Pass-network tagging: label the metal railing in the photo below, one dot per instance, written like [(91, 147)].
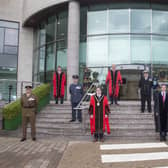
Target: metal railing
[(84, 105)]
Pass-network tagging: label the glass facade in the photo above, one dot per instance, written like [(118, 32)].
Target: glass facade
[(126, 36), (9, 41), (123, 33), (51, 47)]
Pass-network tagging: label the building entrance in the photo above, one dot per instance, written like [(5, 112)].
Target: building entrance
[(131, 75)]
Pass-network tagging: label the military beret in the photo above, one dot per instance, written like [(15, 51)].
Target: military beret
[(75, 77)]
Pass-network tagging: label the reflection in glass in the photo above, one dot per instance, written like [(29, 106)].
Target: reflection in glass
[(11, 37), (41, 59), (50, 29), (42, 34), (160, 22), (97, 22), (141, 21), (1, 39), (119, 50), (62, 58), (82, 53), (50, 58), (97, 54), (62, 25), (118, 21), (160, 49), (140, 49), (11, 50)]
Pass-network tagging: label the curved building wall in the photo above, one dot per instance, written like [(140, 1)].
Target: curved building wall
[(11, 11), (32, 7)]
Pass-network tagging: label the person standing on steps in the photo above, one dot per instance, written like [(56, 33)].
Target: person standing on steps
[(163, 113), (59, 82), (76, 92), (99, 111), (114, 80), (145, 85), (29, 103)]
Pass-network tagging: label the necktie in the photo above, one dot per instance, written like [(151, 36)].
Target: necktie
[(163, 97)]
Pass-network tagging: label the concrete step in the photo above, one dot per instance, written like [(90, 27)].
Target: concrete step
[(112, 122), (126, 122), (136, 134)]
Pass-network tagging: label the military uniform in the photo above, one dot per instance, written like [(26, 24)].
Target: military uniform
[(76, 91), (29, 110), (145, 85)]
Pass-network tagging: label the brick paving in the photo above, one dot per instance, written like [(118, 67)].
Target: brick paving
[(30, 154)]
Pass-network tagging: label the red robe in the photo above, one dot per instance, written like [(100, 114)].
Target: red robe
[(59, 82), (113, 80), (92, 110)]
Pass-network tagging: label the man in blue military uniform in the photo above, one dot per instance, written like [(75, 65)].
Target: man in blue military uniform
[(76, 91)]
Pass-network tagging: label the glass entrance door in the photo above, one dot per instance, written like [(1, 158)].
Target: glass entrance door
[(130, 74)]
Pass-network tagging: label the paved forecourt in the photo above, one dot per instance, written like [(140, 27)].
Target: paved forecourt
[(123, 155), (30, 154)]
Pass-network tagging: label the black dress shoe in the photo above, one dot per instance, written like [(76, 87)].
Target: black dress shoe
[(142, 111), (33, 139), (23, 139), (72, 120), (95, 139), (102, 140), (164, 138), (161, 138)]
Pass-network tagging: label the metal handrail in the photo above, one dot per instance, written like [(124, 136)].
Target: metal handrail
[(79, 106)]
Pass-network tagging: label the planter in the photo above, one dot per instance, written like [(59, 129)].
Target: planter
[(43, 102), (11, 124)]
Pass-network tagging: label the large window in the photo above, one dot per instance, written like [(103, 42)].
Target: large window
[(126, 36), (9, 33), (9, 39), (160, 49), (140, 21), (160, 22), (119, 49), (97, 22), (140, 49), (118, 21), (51, 46)]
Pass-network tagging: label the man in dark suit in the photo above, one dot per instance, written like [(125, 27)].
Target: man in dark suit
[(163, 112)]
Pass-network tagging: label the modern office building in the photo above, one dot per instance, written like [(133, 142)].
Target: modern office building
[(85, 37)]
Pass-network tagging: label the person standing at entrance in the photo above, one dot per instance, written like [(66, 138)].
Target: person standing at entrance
[(163, 113), (114, 80), (59, 82), (99, 111), (145, 85), (29, 105), (76, 92)]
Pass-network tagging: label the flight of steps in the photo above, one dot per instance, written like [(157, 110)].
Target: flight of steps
[(126, 122)]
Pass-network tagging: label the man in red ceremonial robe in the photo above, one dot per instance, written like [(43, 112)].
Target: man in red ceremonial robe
[(114, 80), (59, 82), (99, 111)]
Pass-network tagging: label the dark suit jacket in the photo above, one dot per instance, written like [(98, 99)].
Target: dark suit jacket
[(163, 109)]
